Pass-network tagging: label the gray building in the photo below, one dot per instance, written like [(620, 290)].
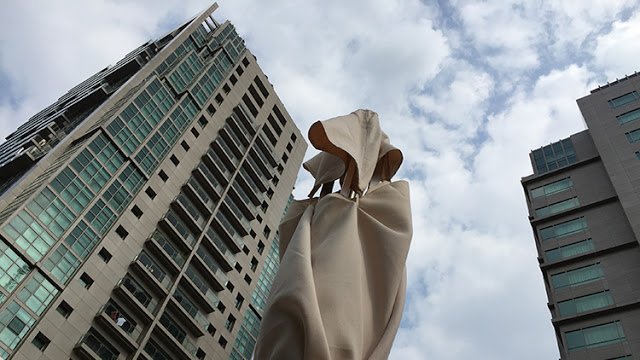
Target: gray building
[(139, 212), (584, 208)]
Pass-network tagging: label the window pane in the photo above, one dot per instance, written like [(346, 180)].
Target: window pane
[(624, 99), (629, 116), (557, 207), (577, 276), (585, 303)]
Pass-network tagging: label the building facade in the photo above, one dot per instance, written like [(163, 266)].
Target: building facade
[(585, 214), (139, 212)]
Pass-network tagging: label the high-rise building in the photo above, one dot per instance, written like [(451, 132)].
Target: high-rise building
[(584, 207), (139, 212)]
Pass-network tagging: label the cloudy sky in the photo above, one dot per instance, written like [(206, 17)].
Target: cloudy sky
[(465, 88)]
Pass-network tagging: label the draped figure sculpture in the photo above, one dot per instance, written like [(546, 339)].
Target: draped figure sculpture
[(340, 288)]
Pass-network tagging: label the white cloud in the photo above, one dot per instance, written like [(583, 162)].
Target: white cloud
[(473, 247), (459, 100), (618, 51), (507, 31), (574, 22)]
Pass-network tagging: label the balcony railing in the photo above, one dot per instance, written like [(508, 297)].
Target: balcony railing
[(154, 269), (179, 228), (243, 202), (237, 218), (252, 177), (228, 230), (243, 120), (190, 308), (234, 123), (122, 320), (258, 163), (169, 248), (233, 140), (202, 286), (216, 240), (247, 190), (178, 334), (212, 265), (155, 352), (202, 195), (225, 141), (237, 132), (197, 217), (139, 293), (222, 163), (99, 346), (211, 180)]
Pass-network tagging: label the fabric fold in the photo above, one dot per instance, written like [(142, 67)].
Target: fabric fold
[(340, 288)]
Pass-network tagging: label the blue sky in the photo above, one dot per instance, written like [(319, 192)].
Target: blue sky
[(466, 89)]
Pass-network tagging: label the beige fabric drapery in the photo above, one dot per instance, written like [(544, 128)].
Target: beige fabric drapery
[(340, 289)]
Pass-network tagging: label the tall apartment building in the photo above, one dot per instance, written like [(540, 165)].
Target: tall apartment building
[(584, 207), (139, 212)]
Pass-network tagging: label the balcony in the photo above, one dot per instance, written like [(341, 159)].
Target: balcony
[(225, 143), (175, 226), (200, 289), (245, 191), (214, 240), (209, 181), (198, 192), (237, 218), (242, 201), (258, 161), (152, 271), (237, 132), (176, 337), (227, 231), (244, 121), (220, 163), (160, 244), (93, 345), (137, 296), (153, 351), (212, 267), (265, 151), (250, 174), (189, 313), (120, 325), (233, 141), (189, 211)]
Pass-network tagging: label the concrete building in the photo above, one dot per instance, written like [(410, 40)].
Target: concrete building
[(584, 208), (139, 212)]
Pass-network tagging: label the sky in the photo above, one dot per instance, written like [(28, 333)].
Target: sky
[(466, 89)]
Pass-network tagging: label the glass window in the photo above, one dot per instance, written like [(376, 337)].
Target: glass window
[(577, 277), (82, 239), (624, 99), (62, 264), (629, 116), (557, 207), (552, 188), (567, 251), (100, 216), (15, 322), (29, 235), (585, 303), (633, 136), (564, 229), (38, 293), (594, 336), (554, 156), (12, 268)]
